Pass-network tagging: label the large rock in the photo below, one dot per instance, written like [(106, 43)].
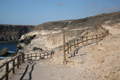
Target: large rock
[(3, 51), (27, 39)]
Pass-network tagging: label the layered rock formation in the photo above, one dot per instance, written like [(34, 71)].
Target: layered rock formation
[(12, 33), (48, 36)]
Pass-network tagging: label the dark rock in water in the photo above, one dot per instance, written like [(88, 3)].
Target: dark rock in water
[(3, 51), (36, 48)]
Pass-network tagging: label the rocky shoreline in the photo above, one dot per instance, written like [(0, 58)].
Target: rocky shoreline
[(11, 33)]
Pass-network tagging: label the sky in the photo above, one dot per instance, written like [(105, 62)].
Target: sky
[(35, 12)]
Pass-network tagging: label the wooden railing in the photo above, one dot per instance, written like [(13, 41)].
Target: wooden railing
[(16, 61), (20, 59), (37, 56), (83, 40)]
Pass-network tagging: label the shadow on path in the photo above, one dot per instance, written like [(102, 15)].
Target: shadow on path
[(30, 74), (29, 71), (77, 49), (24, 72)]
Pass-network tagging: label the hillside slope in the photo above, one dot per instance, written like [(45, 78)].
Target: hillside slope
[(93, 62), (14, 32), (85, 22)]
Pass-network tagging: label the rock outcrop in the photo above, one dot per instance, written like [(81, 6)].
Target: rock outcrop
[(12, 33), (49, 35), (3, 51)]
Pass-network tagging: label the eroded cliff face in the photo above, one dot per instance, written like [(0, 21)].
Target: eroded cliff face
[(11, 33), (48, 40)]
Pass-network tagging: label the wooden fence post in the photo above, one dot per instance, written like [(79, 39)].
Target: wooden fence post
[(13, 66), (27, 56), (64, 46), (77, 43), (74, 44), (102, 35), (86, 39), (40, 56), (23, 58), (35, 56), (70, 45), (82, 40), (7, 69), (18, 61), (92, 38), (96, 37), (108, 32), (67, 48), (31, 57)]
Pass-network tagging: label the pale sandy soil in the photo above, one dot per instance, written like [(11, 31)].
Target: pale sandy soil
[(94, 62), (99, 61)]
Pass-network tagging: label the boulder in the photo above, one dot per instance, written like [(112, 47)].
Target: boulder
[(36, 48), (27, 39), (3, 51), (19, 47)]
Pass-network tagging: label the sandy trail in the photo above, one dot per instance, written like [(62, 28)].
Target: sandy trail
[(93, 62)]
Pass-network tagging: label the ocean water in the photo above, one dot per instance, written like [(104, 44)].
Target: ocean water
[(11, 46)]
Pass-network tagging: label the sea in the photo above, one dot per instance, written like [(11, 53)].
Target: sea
[(11, 48)]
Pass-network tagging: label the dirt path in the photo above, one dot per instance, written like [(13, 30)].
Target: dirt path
[(93, 62), (24, 72)]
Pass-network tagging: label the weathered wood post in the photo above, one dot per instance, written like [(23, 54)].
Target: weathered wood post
[(102, 35), (7, 70), (18, 62), (27, 56), (35, 56), (108, 32), (77, 43), (23, 57), (70, 45), (64, 46), (92, 38), (96, 37), (99, 37), (20, 59), (67, 48), (82, 40), (86, 39), (13, 66), (31, 57), (40, 56), (74, 44)]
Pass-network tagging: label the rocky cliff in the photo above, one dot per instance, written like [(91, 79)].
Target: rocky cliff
[(49, 36), (12, 33)]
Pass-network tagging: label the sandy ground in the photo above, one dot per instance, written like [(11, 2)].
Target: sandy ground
[(93, 62)]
